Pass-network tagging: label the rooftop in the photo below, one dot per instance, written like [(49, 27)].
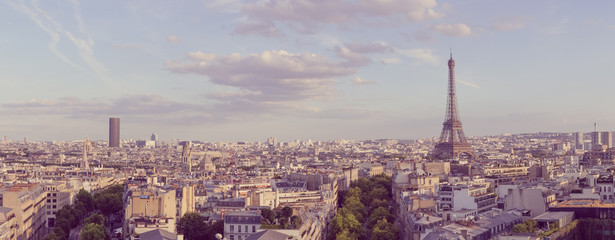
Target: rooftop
[(584, 203)]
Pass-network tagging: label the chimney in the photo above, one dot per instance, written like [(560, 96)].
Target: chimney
[(464, 233)]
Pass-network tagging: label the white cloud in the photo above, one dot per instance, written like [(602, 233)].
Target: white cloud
[(455, 30), (201, 56), (357, 81), (173, 38), (391, 60), (271, 76), (370, 47), (423, 55), (467, 83), (307, 15)]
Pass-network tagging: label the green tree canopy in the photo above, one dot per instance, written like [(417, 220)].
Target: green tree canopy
[(384, 230), (95, 218), (268, 215), (379, 214), (93, 231), (356, 207), (86, 198), (192, 226), (296, 222), (109, 203), (345, 220), (287, 212)]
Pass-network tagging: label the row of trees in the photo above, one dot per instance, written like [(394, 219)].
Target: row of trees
[(108, 201), (194, 227), (366, 205), (280, 219)]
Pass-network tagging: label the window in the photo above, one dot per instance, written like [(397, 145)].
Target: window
[(54, 194), (246, 228), (239, 228), (253, 229), (232, 237), (48, 200), (232, 229), (54, 206), (54, 200)]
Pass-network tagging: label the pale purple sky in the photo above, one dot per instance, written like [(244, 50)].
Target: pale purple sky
[(230, 70)]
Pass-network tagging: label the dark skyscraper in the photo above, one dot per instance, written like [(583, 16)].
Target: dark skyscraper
[(114, 132), (452, 140)]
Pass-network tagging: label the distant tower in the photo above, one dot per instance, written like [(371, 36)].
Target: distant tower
[(579, 141), (452, 140), (114, 132), (87, 147), (596, 138), (186, 157), (154, 137)]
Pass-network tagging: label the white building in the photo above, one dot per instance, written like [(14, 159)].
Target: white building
[(467, 197)]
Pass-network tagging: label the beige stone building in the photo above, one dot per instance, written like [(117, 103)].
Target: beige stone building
[(8, 225), (28, 203), (58, 195), (149, 208)]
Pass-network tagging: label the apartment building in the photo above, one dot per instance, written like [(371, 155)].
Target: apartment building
[(479, 197), (28, 203), (241, 224), (57, 197)]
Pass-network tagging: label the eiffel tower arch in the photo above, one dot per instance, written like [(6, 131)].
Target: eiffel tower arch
[(453, 142)]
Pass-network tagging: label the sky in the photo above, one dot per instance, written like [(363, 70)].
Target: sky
[(233, 70)]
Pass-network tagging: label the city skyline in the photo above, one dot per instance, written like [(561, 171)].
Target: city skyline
[(245, 71)]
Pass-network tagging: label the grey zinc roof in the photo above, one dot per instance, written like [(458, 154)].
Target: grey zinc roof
[(158, 234), (5, 210), (268, 235), (242, 217)]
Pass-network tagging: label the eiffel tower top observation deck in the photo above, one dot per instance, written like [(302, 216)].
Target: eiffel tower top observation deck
[(453, 142)]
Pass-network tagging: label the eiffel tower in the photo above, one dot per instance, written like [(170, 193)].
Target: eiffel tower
[(453, 142)]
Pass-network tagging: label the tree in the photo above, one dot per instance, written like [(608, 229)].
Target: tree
[(86, 198), (63, 224), (93, 231), (79, 211), (95, 218), (376, 203), (216, 227), (192, 226), (364, 184), (345, 235), (521, 227), (287, 212), (353, 192), (268, 215), (384, 230), (355, 207), (532, 225), (378, 214), (344, 220), (376, 193), (109, 203), (55, 234), (296, 221)]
